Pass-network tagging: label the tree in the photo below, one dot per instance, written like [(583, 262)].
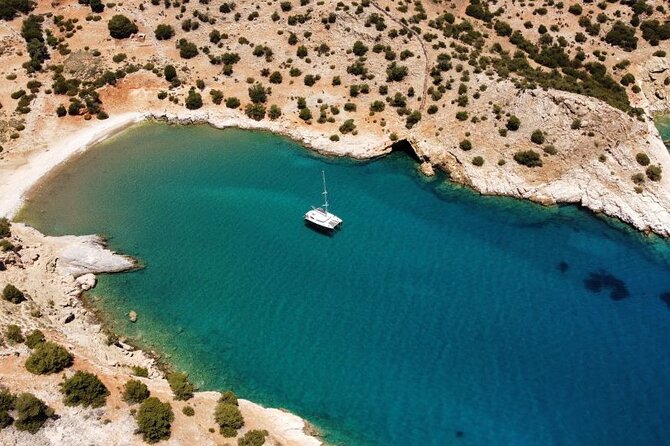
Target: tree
[(274, 112), (84, 389), (465, 145), (97, 6), (154, 420), (513, 123), (11, 8), (187, 50), (305, 114), (622, 35), (359, 48), (14, 335), (395, 72), (31, 413), (193, 100), (575, 9), (654, 173), (180, 385), (642, 159), (229, 418), (347, 126), (257, 93), (34, 338), (135, 391), (228, 397), (164, 32), (48, 357), (528, 158), (12, 294), (413, 118), (170, 73), (121, 27), (537, 137), (255, 111), (232, 102), (253, 438), (276, 77)]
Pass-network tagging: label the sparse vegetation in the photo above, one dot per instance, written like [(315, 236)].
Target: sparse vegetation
[(84, 389), (528, 158)]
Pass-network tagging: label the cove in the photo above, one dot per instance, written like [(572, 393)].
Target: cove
[(434, 317)]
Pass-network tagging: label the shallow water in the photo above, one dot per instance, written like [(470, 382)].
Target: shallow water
[(433, 311)]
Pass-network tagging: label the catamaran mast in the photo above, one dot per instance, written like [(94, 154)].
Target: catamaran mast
[(325, 192)]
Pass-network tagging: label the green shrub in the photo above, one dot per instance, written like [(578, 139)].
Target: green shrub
[(642, 159), (413, 118), (622, 35), (84, 389), (11, 8), (181, 387), (140, 371), (31, 413), (34, 338), (121, 27), (550, 149), (478, 161), (7, 400), (257, 93), (188, 411), (135, 392), (462, 115), (229, 418), (576, 124), (232, 102), (48, 357), (654, 173), (305, 114), (255, 111), (170, 73), (193, 100), (253, 438), (347, 126), (529, 158), (164, 32), (4, 228), (12, 294), (637, 178), (275, 78), (359, 48), (274, 112), (513, 123), (395, 72), (154, 420), (537, 137), (228, 397), (465, 145), (575, 9), (187, 50), (13, 334)]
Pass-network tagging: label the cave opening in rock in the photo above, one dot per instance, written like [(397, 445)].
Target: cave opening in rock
[(405, 146)]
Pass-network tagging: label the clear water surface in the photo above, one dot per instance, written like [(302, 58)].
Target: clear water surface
[(434, 317)]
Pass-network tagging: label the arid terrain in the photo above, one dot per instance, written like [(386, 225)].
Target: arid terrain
[(547, 101)]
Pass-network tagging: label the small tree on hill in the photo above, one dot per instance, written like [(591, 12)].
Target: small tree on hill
[(48, 357), (135, 391), (31, 413), (121, 27), (13, 294), (84, 389), (154, 420), (164, 32), (181, 387)]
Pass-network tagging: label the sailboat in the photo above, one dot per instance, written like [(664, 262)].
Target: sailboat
[(320, 217)]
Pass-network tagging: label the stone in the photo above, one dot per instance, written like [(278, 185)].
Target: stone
[(69, 318), (132, 315), (86, 281)]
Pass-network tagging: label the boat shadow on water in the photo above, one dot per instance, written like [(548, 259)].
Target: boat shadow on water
[(321, 230)]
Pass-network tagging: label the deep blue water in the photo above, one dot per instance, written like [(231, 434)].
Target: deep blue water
[(432, 311)]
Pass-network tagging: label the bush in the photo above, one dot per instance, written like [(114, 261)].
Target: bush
[(188, 411), (217, 96), (359, 48), (170, 72), (377, 106), (528, 158), (465, 145), (31, 413), (193, 100), (121, 27), (305, 114), (513, 123), (181, 387), (654, 173), (274, 112), (12, 294), (7, 400), (576, 124), (622, 35), (47, 358), (347, 126), (478, 161), (642, 159), (140, 371), (13, 334), (575, 9), (462, 115), (537, 137), (187, 50), (257, 93), (229, 418), (255, 111), (11, 8), (550, 149), (164, 32), (84, 389), (154, 420), (4, 228), (232, 102), (35, 338), (253, 438), (276, 78), (135, 392), (395, 73), (228, 397)]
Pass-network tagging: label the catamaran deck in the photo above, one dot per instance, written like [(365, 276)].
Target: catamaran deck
[(323, 218)]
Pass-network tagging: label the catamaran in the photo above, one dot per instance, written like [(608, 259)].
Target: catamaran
[(320, 217)]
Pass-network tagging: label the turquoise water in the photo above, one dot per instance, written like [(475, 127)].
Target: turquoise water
[(432, 312), (663, 124)]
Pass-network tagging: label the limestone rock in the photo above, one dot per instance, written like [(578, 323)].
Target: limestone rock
[(86, 282), (132, 316)]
